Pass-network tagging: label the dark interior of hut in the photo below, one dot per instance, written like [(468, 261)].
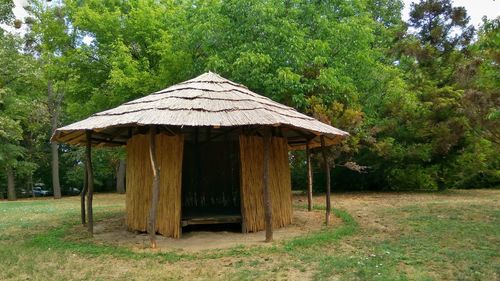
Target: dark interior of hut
[(210, 181)]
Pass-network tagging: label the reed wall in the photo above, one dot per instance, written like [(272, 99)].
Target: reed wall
[(252, 202), (169, 152)]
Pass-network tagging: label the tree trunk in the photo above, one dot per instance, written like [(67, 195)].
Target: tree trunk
[(11, 188), (120, 177), (309, 179), (55, 170), (155, 192), (83, 194), (90, 185), (54, 147), (268, 214), (30, 184), (327, 171)]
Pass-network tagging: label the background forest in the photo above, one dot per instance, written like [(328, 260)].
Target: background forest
[(421, 99)]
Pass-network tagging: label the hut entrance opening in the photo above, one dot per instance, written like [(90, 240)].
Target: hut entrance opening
[(210, 182)]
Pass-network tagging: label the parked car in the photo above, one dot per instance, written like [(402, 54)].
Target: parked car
[(71, 191), (24, 192), (39, 190)]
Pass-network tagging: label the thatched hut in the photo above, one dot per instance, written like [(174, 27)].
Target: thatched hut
[(207, 150)]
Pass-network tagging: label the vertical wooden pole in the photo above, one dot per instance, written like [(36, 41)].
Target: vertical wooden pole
[(268, 214), (242, 197), (90, 184), (120, 176), (83, 194), (155, 191), (309, 178), (327, 171)]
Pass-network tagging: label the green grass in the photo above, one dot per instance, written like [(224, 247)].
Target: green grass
[(432, 238), (325, 236), (435, 241)]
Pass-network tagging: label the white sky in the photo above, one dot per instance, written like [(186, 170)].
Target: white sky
[(20, 13), (18, 10)]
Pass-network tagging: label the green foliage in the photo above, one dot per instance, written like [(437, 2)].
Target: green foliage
[(6, 14), (419, 98), (413, 177), (477, 165), (435, 21), (21, 114)]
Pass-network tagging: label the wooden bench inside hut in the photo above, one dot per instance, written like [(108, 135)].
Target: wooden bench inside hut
[(210, 179)]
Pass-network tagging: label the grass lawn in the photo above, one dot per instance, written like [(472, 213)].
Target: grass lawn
[(454, 235)]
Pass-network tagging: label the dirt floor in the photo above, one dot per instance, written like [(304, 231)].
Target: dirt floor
[(113, 231)]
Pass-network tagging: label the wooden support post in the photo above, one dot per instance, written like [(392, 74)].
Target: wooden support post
[(120, 176), (309, 178), (83, 194), (90, 184), (155, 191), (268, 214), (327, 171)]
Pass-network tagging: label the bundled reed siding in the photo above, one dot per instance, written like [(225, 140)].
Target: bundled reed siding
[(252, 202), (169, 153)]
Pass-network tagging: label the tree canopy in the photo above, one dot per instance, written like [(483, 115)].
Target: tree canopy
[(419, 98)]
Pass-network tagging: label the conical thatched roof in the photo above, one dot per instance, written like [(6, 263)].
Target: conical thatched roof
[(208, 100)]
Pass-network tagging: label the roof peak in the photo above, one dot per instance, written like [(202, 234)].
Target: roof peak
[(212, 77), (208, 74)]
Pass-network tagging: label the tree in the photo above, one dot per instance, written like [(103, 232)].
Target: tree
[(17, 98), (435, 21), (50, 40), (479, 76), (430, 139), (6, 14), (442, 32), (420, 99)]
